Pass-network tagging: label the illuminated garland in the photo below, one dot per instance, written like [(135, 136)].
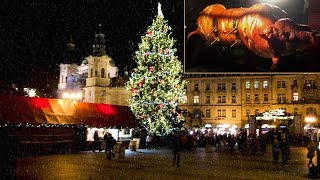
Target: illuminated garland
[(156, 83)]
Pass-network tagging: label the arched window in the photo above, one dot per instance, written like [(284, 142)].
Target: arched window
[(102, 73), (91, 73)]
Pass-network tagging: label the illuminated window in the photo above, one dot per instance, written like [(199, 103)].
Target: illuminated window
[(256, 84), (234, 99), (208, 113), (234, 113), (185, 99), (196, 99), (208, 100), (247, 84), (295, 97), (265, 84)]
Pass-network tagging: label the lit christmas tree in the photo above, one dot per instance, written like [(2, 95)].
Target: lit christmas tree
[(156, 84)]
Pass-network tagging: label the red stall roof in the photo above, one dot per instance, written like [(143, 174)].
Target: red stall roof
[(21, 109)]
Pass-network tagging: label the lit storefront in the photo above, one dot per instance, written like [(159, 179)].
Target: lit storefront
[(60, 123), (269, 120)]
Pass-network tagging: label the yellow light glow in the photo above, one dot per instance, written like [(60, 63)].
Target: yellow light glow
[(79, 96), (65, 95), (75, 96), (310, 119)]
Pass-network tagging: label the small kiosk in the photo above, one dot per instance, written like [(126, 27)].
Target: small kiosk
[(273, 119)]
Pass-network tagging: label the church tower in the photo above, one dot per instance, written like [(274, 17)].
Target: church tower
[(68, 67), (98, 71)]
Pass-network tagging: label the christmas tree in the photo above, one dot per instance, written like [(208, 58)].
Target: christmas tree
[(156, 83)]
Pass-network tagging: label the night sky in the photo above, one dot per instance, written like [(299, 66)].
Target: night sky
[(34, 34)]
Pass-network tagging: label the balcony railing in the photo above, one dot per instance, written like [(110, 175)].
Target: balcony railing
[(234, 90), (221, 90)]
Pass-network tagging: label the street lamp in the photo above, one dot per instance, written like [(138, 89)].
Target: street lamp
[(310, 119)]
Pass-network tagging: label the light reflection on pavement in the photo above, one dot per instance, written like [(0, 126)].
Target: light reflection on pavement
[(157, 164)]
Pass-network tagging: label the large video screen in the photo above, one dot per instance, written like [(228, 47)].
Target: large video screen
[(250, 36)]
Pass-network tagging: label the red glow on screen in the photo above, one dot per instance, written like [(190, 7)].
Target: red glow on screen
[(39, 103), (106, 109)]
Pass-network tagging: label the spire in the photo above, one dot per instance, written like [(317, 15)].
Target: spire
[(70, 52), (99, 43), (159, 10), (100, 31)]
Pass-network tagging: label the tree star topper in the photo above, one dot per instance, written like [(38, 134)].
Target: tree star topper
[(159, 10)]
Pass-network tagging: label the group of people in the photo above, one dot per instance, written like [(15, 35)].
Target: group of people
[(280, 144), (109, 144)]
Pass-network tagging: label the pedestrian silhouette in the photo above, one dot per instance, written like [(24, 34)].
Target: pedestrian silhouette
[(110, 142), (176, 145)]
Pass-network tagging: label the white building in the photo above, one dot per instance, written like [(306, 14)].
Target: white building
[(96, 79)]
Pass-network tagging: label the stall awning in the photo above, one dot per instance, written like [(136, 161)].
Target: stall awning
[(20, 109)]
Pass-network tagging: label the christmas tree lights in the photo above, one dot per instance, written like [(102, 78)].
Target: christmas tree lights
[(156, 83)]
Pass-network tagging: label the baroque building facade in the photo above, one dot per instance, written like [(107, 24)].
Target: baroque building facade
[(230, 99), (96, 80)]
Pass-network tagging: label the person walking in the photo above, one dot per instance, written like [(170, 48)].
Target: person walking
[(284, 147), (176, 145), (96, 143), (110, 142), (312, 147), (275, 147), (148, 141)]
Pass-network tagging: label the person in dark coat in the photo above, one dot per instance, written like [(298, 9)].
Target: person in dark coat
[(275, 147), (176, 145), (96, 143), (110, 142)]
